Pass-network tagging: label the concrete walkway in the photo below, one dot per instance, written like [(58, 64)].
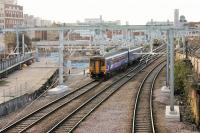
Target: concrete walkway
[(27, 80)]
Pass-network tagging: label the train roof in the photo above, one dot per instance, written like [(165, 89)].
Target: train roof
[(109, 54), (115, 52)]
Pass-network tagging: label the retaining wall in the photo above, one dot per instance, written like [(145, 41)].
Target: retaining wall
[(19, 102), (194, 94)]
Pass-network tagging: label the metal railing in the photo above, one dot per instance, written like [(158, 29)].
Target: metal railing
[(14, 61)]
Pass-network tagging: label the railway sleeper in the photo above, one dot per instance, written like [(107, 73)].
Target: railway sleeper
[(142, 126)]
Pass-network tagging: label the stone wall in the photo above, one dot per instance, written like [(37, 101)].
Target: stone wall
[(194, 101), (194, 94)]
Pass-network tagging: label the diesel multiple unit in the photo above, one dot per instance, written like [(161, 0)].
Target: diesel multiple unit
[(105, 66)]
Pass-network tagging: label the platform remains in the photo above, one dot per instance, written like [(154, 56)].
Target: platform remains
[(27, 80)]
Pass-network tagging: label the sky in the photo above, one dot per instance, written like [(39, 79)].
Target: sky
[(133, 11)]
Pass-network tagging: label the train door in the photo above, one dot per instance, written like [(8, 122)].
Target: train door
[(97, 66)]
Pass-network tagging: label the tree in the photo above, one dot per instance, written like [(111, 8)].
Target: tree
[(27, 41), (10, 40), (182, 70)]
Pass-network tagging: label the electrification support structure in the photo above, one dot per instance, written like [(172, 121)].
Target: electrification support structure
[(61, 87), (37, 54), (168, 56), (23, 44), (172, 112), (17, 36), (183, 41), (171, 42), (61, 48)]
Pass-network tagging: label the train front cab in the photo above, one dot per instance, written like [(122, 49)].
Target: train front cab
[(97, 68)]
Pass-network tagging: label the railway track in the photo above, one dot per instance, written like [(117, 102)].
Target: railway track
[(42, 113), (30, 119), (75, 118), (143, 112), (71, 121)]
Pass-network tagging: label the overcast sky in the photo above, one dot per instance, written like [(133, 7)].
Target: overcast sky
[(133, 11)]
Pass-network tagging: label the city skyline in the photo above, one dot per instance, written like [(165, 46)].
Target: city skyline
[(71, 11)]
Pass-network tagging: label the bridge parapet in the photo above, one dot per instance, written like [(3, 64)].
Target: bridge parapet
[(7, 64)]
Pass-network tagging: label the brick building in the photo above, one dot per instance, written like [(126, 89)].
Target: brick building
[(11, 14)]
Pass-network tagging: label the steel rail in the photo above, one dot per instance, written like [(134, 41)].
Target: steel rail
[(45, 107), (137, 100), (102, 95), (28, 126), (151, 98), (25, 127)]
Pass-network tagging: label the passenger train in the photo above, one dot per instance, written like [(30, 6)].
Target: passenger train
[(105, 66)]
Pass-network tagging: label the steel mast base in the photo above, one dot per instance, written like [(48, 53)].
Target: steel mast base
[(173, 116), (58, 90)]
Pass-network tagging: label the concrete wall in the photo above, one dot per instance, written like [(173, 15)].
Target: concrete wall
[(22, 101)]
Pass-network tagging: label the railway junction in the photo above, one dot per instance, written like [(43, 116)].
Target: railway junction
[(130, 100)]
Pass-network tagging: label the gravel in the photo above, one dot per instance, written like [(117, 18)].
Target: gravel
[(115, 114), (73, 82), (159, 103)]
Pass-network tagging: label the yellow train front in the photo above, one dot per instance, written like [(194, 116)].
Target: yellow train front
[(97, 67)]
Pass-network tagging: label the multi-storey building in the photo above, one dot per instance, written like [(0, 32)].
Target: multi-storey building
[(11, 14), (29, 20), (8, 1)]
